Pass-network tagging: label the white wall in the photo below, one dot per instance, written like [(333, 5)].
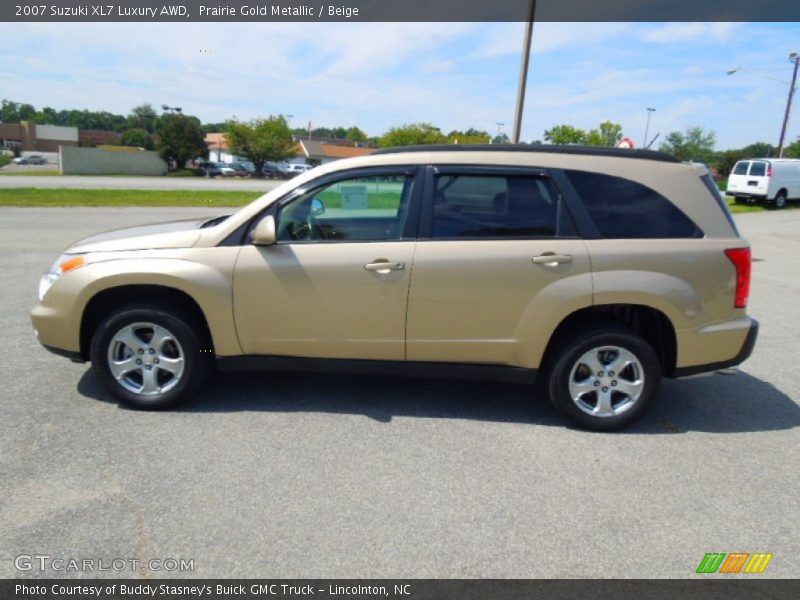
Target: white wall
[(57, 132), (94, 161)]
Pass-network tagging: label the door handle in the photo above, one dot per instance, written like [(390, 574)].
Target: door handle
[(552, 259), (384, 266)]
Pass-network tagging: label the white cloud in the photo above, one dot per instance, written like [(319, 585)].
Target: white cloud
[(437, 66), (679, 32), (506, 38)]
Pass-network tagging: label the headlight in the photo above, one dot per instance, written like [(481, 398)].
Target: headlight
[(64, 264)]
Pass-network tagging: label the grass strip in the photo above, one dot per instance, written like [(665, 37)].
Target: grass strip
[(71, 197)]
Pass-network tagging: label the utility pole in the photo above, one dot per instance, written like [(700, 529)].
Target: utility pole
[(523, 71), (795, 58)]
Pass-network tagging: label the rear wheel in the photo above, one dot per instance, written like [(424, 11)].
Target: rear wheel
[(740, 200), (604, 378), (780, 200), (150, 357)]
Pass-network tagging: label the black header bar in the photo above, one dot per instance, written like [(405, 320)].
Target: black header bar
[(398, 10)]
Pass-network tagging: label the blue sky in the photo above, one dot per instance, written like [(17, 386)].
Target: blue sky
[(454, 75)]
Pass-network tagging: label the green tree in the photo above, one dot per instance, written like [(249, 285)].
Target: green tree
[(565, 134), (412, 134), (501, 138), (355, 134), (14, 112), (470, 136), (726, 159), (606, 134), (760, 150), (260, 140), (212, 127), (792, 150), (46, 116), (692, 144), (143, 117), (180, 139), (137, 138)]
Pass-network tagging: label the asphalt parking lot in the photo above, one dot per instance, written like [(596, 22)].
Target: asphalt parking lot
[(337, 476)]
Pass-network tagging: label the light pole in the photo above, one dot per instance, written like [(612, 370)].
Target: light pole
[(650, 111), (795, 58), (523, 71), (499, 128)]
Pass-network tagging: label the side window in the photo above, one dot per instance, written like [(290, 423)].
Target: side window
[(622, 208), (758, 169), (357, 209), (498, 206), (741, 167)]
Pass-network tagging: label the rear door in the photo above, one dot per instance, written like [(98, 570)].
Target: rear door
[(737, 181), (497, 261), (758, 178)]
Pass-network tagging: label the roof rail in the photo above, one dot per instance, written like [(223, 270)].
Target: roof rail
[(537, 148)]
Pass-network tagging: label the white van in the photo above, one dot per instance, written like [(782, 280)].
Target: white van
[(774, 180)]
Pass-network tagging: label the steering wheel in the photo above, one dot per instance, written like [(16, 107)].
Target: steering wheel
[(303, 231)]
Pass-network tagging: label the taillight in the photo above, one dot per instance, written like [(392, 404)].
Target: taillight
[(769, 171), (740, 257)]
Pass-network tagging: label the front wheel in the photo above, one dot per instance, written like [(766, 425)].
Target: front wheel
[(604, 378), (150, 357)]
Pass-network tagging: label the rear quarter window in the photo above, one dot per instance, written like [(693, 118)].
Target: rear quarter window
[(625, 209), (759, 169), (741, 167)]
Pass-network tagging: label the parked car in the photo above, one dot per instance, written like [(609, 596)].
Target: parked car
[(595, 271), (216, 169), (772, 180), (242, 168), (294, 169), (31, 159), (273, 171)]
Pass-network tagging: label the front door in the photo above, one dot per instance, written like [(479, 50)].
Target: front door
[(335, 285)]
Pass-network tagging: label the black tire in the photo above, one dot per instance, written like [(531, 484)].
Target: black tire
[(740, 200), (598, 338), (192, 345), (780, 200)]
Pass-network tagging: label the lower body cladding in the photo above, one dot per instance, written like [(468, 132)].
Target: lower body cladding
[(739, 336)]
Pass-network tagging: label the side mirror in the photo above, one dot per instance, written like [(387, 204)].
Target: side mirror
[(264, 233), (317, 207)]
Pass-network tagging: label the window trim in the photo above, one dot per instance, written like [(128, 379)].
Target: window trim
[(431, 171)]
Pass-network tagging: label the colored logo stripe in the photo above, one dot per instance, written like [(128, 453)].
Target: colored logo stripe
[(734, 563), (711, 562), (758, 563)]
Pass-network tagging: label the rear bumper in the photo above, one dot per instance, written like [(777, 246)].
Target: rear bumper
[(744, 352), (737, 194)]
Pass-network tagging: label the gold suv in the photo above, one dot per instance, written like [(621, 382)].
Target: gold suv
[(599, 271)]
